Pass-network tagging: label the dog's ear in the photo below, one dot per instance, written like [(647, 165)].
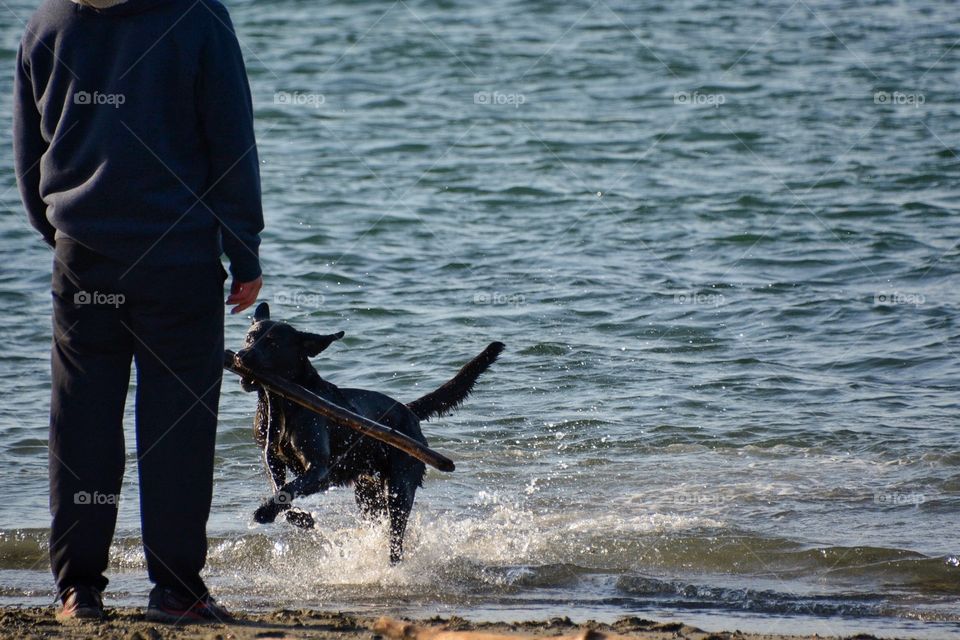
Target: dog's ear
[(262, 312), (314, 343)]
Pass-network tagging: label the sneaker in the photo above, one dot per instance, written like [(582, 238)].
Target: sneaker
[(172, 606), (80, 602)]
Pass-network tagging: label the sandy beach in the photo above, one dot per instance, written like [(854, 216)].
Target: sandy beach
[(129, 624)]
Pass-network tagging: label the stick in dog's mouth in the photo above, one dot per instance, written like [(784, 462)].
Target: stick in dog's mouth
[(306, 398)]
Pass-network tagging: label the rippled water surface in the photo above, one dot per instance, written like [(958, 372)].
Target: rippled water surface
[(720, 240)]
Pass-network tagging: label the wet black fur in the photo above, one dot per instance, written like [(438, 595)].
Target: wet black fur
[(322, 454)]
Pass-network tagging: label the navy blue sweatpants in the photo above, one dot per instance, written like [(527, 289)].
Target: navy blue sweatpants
[(169, 322)]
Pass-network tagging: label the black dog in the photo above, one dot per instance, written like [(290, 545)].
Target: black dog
[(321, 453)]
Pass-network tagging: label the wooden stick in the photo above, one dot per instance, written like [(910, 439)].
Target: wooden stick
[(306, 398), (400, 630)]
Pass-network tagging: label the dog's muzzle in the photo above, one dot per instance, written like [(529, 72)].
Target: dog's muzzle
[(247, 384)]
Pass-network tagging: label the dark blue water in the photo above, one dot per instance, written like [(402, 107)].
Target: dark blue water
[(720, 240)]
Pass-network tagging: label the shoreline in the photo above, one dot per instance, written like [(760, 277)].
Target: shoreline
[(128, 623)]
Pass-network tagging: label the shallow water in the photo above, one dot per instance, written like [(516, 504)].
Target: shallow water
[(720, 241)]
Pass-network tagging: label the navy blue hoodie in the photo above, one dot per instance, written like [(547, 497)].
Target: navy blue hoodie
[(133, 133)]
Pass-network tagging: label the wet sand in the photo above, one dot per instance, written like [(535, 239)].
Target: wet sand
[(129, 624)]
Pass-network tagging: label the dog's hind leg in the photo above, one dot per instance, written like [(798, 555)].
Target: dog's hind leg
[(400, 496), (370, 495)]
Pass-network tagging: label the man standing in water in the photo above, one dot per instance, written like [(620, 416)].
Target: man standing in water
[(136, 161)]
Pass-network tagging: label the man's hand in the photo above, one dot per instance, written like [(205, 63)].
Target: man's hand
[(244, 294)]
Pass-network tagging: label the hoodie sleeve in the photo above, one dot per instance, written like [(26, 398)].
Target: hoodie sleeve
[(226, 116), (28, 148)]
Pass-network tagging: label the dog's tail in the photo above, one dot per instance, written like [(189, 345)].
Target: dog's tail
[(455, 391)]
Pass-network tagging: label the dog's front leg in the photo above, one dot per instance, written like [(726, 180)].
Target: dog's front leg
[(276, 468), (271, 508), (312, 441), (277, 471), (312, 481)]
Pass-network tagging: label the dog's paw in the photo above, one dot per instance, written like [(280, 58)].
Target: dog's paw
[(265, 513), (274, 506), (300, 518)]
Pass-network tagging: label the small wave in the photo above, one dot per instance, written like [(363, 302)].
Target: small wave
[(546, 349), (744, 239), (385, 103), (688, 595), (398, 148)]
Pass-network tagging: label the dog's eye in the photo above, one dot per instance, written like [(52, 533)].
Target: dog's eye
[(269, 341)]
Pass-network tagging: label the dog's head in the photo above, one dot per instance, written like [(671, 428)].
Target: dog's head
[(275, 347)]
